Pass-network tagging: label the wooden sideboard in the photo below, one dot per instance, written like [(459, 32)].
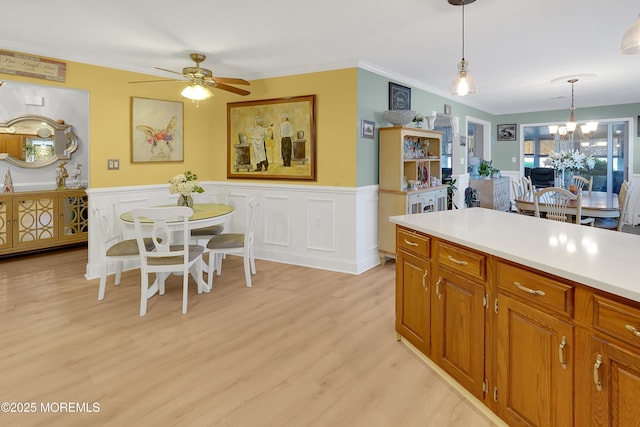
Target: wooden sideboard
[(34, 220), (534, 347)]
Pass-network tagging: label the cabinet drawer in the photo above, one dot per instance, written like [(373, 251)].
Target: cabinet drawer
[(410, 241), (616, 319), (463, 260), (536, 288)]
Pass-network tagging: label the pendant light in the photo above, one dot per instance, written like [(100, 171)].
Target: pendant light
[(464, 84), (631, 39)]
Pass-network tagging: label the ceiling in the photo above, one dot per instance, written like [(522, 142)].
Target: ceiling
[(515, 48)]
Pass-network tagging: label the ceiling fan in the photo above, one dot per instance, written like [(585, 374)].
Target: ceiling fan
[(201, 79)]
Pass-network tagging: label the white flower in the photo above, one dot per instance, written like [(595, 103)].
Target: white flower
[(185, 184), (570, 160)]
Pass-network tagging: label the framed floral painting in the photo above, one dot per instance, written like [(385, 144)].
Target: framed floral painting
[(157, 130), (272, 139)]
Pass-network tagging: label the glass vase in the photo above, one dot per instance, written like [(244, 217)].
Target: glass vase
[(185, 200), (563, 179)]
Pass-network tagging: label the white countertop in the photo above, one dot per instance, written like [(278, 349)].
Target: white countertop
[(602, 259)]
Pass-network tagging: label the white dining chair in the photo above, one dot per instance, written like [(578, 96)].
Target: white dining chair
[(623, 203), (202, 235), (582, 183), (115, 248), (241, 244), (556, 203), (160, 223)]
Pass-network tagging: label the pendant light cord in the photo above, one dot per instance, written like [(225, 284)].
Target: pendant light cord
[(463, 2)]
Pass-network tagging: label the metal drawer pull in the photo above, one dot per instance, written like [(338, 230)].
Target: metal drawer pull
[(438, 287), (596, 372), (528, 290), (457, 261), (635, 331), (563, 344), (410, 243), (424, 281)]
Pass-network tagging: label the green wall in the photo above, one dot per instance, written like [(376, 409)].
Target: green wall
[(373, 99), (503, 151)]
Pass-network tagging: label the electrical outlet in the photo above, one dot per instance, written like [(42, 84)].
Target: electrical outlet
[(113, 164), (513, 160)]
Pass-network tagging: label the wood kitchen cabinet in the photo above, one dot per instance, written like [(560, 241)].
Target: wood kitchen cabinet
[(547, 347), (413, 285), (534, 348), (458, 331), (608, 371)]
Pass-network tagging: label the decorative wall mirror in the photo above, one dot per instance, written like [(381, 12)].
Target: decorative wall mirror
[(36, 141)]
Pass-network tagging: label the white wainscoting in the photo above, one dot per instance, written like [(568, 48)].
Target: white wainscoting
[(331, 228)]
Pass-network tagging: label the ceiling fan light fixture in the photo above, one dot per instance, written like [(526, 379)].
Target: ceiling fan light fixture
[(631, 40), (196, 92)]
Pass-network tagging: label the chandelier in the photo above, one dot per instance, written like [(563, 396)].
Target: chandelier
[(565, 132), (464, 84)]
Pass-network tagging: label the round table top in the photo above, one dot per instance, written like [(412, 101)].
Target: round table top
[(200, 211)]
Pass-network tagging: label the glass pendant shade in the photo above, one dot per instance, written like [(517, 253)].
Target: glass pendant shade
[(464, 83), (196, 92), (631, 39)]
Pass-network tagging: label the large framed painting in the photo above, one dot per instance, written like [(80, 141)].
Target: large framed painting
[(272, 139), (157, 130)]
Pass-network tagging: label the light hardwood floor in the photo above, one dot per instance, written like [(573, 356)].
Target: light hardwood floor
[(303, 347)]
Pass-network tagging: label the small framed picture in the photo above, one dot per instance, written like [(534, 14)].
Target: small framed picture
[(368, 129), (507, 132), (447, 109), (399, 97)]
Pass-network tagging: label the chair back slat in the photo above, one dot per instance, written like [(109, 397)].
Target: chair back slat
[(557, 202)]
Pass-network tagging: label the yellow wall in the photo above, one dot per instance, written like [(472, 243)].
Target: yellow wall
[(205, 134)]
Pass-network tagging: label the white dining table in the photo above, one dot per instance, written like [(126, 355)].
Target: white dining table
[(204, 215)]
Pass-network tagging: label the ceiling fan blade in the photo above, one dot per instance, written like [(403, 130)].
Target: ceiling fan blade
[(168, 71), (230, 80), (228, 88), (154, 81)]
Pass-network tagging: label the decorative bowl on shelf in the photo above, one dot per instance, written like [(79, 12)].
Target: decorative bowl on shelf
[(399, 117)]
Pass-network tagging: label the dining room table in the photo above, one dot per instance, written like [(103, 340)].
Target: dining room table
[(598, 204), (204, 215)]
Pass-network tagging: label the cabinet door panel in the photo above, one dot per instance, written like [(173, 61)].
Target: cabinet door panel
[(413, 307), (460, 323), (534, 387), (615, 402), (35, 220)]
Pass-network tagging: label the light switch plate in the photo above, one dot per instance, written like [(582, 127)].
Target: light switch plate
[(113, 164)]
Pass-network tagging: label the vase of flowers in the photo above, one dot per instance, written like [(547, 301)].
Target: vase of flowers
[(185, 185), (567, 164)]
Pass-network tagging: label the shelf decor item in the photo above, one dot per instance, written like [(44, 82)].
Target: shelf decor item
[(399, 117), (185, 184)]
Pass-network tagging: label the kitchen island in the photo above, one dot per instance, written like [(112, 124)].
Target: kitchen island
[(539, 320)]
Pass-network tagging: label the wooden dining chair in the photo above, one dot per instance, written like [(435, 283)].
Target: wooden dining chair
[(556, 202), (623, 203), (235, 244), (582, 183), (166, 257)]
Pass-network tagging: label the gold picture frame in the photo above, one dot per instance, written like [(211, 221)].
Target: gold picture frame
[(157, 130), (272, 139)]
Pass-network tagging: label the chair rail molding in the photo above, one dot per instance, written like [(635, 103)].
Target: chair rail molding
[(330, 228)]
